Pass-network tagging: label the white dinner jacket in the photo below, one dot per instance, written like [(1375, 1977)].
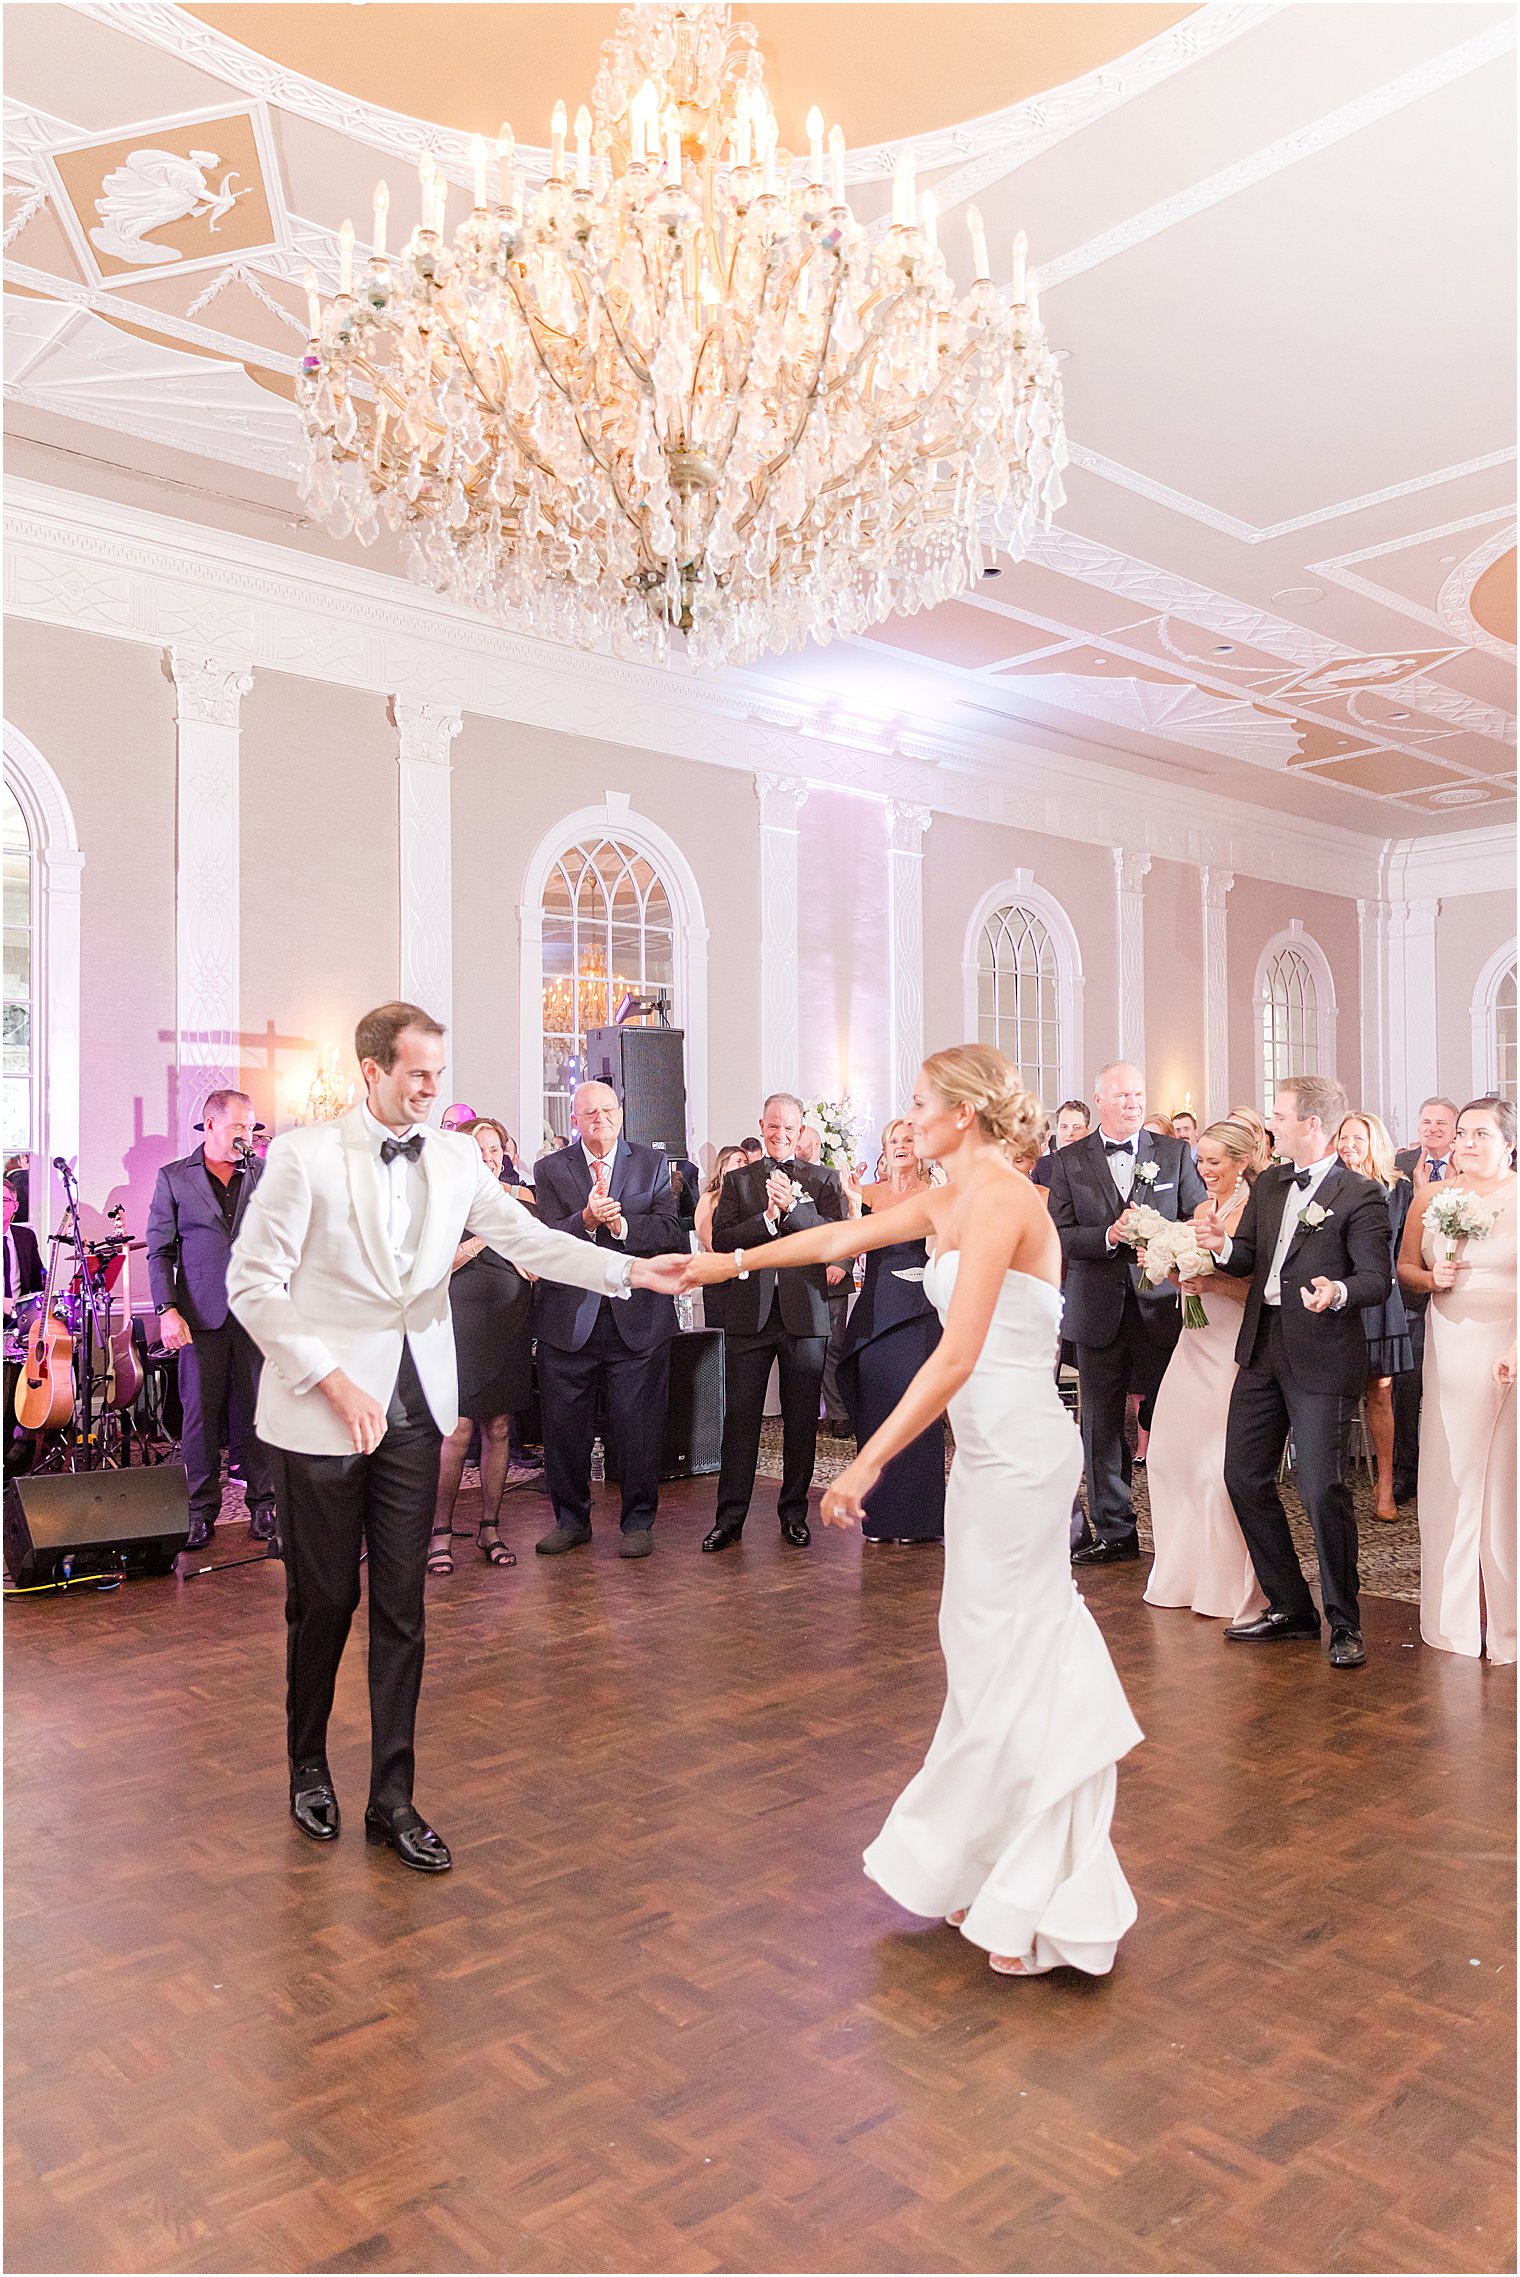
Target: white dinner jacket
[(313, 1275)]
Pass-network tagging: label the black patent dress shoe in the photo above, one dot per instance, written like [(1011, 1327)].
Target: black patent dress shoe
[(722, 1537), (797, 1532), (407, 1833), (201, 1532), (1274, 1628), (1346, 1648), (261, 1526), (555, 1544), (1105, 1553), (314, 1805)]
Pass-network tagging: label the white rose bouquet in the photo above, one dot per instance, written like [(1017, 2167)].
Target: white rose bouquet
[(1170, 1248), (1460, 1216), (838, 1125)]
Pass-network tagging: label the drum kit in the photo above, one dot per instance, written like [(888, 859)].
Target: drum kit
[(79, 1374)]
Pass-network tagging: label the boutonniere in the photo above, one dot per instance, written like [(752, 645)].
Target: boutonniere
[(1146, 1173), (1314, 1215), (799, 1193)]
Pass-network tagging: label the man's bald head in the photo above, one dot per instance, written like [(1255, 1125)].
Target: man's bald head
[(598, 1118), (1119, 1096)]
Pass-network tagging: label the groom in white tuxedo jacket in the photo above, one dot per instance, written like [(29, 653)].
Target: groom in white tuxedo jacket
[(340, 1274)]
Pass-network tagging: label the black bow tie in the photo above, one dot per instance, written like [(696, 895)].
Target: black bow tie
[(781, 1169), (1301, 1177), (1118, 1146), (410, 1147)]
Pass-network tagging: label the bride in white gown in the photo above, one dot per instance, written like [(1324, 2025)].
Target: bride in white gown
[(1005, 1830)]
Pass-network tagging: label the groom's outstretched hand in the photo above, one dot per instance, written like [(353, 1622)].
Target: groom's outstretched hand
[(1208, 1228), (661, 1273)]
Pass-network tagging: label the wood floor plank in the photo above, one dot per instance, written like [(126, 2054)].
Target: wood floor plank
[(658, 2020)]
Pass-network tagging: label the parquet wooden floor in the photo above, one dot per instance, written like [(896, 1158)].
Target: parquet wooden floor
[(657, 2019)]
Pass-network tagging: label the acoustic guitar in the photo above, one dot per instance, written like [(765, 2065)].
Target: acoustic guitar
[(45, 1386), (124, 1373)]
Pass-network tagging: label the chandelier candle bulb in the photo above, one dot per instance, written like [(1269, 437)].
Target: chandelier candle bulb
[(382, 208), (978, 230), (928, 214), (583, 148), (506, 150), (478, 169), (313, 304), (673, 146), (1034, 297), (742, 128), (904, 190), (815, 145), (836, 164), (1020, 268), (769, 135), (346, 259), (557, 144)]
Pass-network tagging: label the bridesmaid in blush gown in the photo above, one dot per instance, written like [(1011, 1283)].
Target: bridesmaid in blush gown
[(1005, 1829), (1201, 1559), (892, 1330), (1466, 1495)]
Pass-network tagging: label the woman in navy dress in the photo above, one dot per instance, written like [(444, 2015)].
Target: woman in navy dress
[(892, 1330), (1364, 1145)]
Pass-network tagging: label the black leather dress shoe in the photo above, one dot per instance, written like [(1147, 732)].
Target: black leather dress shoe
[(1274, 1628), (1105, 1553), (407, 1833), (201, 1531), (561, 1539), (313, 1804), (722, 1537), (1404, 1484), (797, 1532), (1346, 1648), (261, 1525)]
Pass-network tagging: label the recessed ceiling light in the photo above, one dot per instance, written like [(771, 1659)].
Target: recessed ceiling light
[(1466, 794), (1447, 559), (993, 569), (1398, 715), (1304, 596), (1100, 660), (1224, 648)]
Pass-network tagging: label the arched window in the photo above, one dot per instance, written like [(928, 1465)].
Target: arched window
[(1295, 1011), (18, 1113), (1494, 1041), (1023, 976), (608, 933)]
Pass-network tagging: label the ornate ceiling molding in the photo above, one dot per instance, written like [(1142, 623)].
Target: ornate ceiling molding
[(1454, 601), (1252, 534), (1437, 71)]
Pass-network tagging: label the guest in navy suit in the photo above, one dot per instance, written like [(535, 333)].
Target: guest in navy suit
[(197, 1208), (603, 1190), (1124, 1335)]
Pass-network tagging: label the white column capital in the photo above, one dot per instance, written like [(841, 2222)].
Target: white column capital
[(906, 825), (1214, 885), (208, 689), (782, 799), (424, 732), (1130, 869)]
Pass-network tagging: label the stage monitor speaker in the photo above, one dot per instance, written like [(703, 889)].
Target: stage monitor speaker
[(694, 1418), (68, 1524), (647, 1069)]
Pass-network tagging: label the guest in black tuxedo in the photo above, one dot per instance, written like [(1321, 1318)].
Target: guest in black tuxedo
[(1427, 1164), (1123, 1335), (603, 1190), (772, 1317), (1073, 1122), (1314, 1244), (193, 1220)]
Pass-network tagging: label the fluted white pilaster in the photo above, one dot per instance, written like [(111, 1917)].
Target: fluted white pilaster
[(1214, 891), (1130, 871), (905, 946), (208, 697), (424, 733), (782, 798)]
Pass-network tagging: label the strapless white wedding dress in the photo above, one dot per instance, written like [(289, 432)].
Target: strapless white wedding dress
[(1010, 1815)]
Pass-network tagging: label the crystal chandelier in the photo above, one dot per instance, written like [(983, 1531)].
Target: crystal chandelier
[(679, 387)]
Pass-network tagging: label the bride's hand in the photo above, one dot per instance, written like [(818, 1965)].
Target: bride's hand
[(702, 1270), (844, 1501)]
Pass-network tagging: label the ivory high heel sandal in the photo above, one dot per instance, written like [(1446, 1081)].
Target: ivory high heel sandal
[(1018, 1965), (954, 1920)]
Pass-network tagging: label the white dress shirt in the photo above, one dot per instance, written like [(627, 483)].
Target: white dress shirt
[(405, 1186), (1121, 1166)]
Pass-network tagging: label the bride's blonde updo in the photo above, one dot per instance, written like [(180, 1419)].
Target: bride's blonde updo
[(974, 1075)]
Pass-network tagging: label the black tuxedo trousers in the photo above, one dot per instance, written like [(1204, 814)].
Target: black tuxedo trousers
[(1108, 1373), (331, 1507), (746, 1372), (1267, 1403)]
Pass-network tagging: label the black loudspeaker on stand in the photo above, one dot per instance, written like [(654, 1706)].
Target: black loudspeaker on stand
[(693, 1445), (70, 1524), (647, 1069)]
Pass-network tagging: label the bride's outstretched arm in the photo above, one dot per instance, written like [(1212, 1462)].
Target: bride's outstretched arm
[(817, 1245), (990, 1235)]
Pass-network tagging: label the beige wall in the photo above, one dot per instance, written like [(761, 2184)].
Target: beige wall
[(1173, 986), (321, 867), (101, 712), (842, 955), (1471, 928)]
